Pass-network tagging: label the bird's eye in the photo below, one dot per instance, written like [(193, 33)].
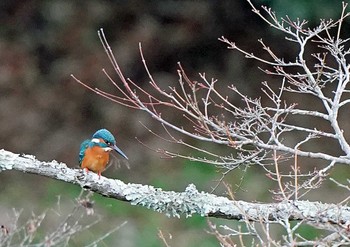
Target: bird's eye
[(108, 143)]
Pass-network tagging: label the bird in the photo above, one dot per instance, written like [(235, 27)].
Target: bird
[(94, 153)]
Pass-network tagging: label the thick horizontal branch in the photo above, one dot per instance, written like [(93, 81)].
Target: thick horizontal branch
[(187, 203)]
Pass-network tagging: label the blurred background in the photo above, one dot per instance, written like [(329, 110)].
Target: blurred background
[(44, 112)]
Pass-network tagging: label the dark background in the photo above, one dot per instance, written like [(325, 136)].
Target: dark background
[(44, 112)]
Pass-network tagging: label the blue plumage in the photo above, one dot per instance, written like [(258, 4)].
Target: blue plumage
[(105, 135), (84, 145)]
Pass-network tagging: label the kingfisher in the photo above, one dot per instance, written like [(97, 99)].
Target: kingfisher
[(94, 153)]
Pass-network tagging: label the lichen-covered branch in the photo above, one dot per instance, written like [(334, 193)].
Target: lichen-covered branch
[(186, 203)]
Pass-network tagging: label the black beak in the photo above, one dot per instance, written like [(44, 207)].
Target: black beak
[(115, 148)]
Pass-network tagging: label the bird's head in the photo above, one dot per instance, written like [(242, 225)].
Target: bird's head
[(105, 139)]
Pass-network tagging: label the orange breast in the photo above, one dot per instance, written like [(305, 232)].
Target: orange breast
[(95, 159)]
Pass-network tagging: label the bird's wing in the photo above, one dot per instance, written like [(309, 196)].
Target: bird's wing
[(83, 148)]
